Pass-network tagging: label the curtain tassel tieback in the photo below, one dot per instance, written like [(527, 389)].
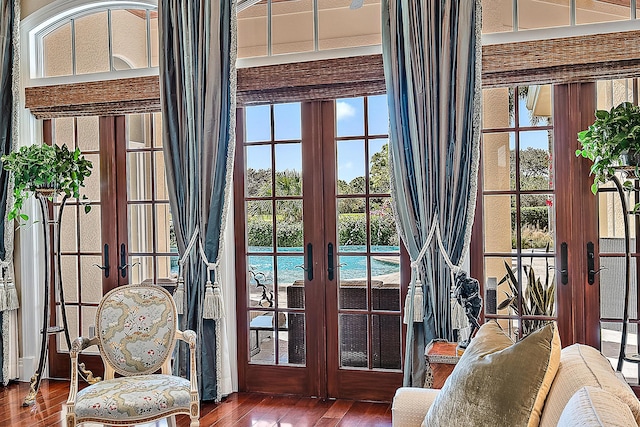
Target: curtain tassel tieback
[(418, 304), (178, 295), (11, 294), (3, 296), (213, 304)]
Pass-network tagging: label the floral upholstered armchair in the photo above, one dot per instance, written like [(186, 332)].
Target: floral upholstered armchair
[(136, 332)]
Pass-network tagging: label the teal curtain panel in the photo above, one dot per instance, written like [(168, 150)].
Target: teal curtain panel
[(197, 79), (431, 54)]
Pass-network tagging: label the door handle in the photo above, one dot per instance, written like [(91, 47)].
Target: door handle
[(105, 257), (564, 272), (309, 267), (591, 264), (330, 268), (123, 261)]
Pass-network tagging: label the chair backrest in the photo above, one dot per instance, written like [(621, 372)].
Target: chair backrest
[(136, 327)]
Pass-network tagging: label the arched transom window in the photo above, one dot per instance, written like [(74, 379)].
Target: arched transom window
[(101, 39)]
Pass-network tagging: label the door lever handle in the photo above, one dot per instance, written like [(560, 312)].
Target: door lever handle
[(591, 261), (105, 256), (330, 255), (564, 271), (309, 267), (122, 268), (123, 260)]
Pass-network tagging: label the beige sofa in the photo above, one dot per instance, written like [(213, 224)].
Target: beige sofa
[(585, 392)]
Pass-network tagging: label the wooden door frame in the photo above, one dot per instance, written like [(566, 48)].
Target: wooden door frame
[(120, 127), (239, 219), (325, 377), (113, 181), (578, 302), (280, 379), (314, 230), (349, 383)]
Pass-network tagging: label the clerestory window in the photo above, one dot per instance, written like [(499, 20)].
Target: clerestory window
[(101, 39)]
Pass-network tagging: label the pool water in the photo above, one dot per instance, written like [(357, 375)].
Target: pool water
[(354, 266)]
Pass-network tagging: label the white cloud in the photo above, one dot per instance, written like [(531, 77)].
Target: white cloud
[(344, 110), (347, 165)]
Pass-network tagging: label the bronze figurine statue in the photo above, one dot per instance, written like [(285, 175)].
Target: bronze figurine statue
[(467, 293)]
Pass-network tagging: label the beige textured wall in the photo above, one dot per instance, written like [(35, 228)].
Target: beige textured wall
[(497, 169), (128, 31), (129, 44), (29, 6), (292, 27), (611, 221)]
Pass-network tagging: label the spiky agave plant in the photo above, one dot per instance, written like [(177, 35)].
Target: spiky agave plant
[(538, 298)]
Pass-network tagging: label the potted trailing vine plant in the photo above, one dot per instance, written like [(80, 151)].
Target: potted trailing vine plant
[(50, 169), (612, 140)]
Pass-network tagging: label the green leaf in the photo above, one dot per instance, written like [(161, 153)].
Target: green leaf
[(87, 208), (24, 217), (506, 303), (45, 166)]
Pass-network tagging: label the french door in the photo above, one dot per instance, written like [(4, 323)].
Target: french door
[(611, 273), (536, 226), (317, 255), (126, 237)]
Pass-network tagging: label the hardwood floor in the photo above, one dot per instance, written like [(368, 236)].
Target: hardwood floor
[(239, 409)]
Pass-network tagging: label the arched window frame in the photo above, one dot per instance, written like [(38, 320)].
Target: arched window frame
[(39, 24)]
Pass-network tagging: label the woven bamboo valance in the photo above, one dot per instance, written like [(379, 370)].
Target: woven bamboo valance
[(100, 98), (562, 60), (302, 81)]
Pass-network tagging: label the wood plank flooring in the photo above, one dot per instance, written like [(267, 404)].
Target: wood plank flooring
[(239, 409)]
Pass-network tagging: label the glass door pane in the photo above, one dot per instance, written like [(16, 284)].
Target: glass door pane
[(152, 247), (368, 253), (613, 275), (518, 199), (274, 202), (81, 243), (308, 198)]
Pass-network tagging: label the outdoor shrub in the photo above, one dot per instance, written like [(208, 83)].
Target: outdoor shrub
[(534, 216), (533, 237), (352, 230), (260, 233), (383, 231), (289, 235)]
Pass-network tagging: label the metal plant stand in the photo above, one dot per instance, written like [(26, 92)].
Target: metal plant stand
[(623, 356), (53, 221)]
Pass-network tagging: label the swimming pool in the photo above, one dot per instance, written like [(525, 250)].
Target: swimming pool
[(355, 266)]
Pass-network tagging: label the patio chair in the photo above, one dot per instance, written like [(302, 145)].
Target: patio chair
[(136, 333)]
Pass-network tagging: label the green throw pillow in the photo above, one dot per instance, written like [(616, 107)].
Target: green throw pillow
[(499, 383)]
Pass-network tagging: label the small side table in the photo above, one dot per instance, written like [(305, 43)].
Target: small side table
[(441, 357)]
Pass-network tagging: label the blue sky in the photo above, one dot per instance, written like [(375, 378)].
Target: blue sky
[(349, 122), (533, 139)]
